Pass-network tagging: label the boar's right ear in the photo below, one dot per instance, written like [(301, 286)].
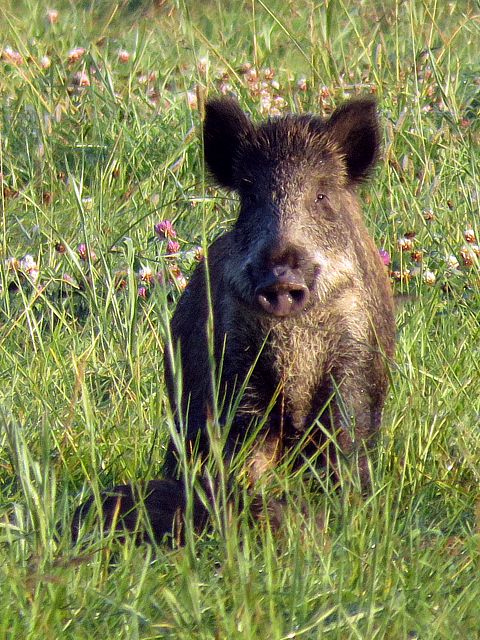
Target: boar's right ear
[(354, 129), (224, 128)]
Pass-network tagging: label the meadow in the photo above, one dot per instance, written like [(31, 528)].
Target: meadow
[(100, 131)]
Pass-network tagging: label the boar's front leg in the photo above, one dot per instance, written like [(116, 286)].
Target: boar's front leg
[(356, 412)]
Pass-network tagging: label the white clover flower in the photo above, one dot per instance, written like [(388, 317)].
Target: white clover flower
[(192, 99), (145, 274), (469, 235), (452, 262), (28, 263), (51, 16), (302, 84), (123, 56), (75, 54), (429, 278), (405, 244)]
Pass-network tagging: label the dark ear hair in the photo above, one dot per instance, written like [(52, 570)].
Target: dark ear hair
[(224, 129), (354, 129)]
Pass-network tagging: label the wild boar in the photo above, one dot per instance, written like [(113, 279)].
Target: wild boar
[(301, 302), (302, 309)]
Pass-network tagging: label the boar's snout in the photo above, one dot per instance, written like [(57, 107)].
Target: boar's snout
[(282, 289), (285, 294)]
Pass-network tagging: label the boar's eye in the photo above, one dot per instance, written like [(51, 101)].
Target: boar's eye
[(320, 196)]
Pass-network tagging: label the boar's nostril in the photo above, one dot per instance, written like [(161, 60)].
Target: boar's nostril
[(283, 299)]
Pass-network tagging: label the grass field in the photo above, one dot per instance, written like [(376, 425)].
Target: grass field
[(100, 141)]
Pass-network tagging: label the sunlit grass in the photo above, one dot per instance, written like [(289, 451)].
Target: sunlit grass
[(96, 149)]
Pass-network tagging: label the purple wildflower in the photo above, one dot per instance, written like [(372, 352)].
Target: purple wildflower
[(385, 256), (165, 229), (173, 246)]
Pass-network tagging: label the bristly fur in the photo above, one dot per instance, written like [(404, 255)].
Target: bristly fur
[(352, 133)]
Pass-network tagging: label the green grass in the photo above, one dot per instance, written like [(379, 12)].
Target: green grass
[(82, 394)]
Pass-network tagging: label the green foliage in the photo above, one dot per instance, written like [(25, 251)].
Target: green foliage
[(97, 147)]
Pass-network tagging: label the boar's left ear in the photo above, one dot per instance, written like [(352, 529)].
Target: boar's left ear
[(224, 129), (354, 129)]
